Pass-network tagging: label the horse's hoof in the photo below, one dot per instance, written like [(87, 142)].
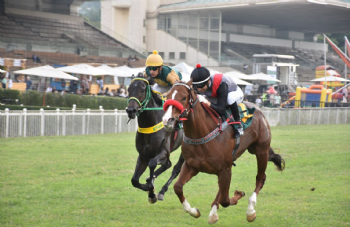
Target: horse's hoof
[(152, 200), (160, 197), (197, 215), (243, 193), (213, 219), (251, 217)]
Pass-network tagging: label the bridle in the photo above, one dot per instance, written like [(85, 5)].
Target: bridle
[(183, 111), (144, 103)]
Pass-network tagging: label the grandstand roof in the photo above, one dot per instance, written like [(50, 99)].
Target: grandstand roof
[(319, 16)]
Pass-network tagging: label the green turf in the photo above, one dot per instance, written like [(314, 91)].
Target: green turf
[(85, 181)]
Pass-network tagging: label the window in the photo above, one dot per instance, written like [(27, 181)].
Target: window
[(144, 22), (172, 55), (161, 54), (144, 39), (182, 55)]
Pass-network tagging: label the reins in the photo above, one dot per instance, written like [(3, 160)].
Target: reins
[(144, 103)]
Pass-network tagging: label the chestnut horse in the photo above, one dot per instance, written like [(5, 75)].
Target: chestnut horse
[(214, 155)]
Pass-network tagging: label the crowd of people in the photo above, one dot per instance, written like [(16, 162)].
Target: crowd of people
[(270, 100)]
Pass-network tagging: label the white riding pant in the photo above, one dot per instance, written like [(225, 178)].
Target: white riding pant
[(235, 96)]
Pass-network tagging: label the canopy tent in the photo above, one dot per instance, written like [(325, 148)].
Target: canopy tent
[(124, 71), (330, 78), (3, 71), (183, 68), (239, 75), (84, 69), (138, 70), (240, 82), (263, 76), (110, 70), (46, 71)]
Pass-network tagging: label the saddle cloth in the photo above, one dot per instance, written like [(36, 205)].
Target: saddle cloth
[(246, 115)]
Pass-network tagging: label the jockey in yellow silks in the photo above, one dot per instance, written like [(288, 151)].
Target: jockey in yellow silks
[(164, 76)]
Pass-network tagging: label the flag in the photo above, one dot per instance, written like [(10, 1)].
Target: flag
[(347, 45), (339, 52)]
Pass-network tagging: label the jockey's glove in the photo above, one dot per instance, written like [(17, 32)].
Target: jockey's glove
[(201, 98)]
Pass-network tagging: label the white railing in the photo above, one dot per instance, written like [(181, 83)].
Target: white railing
[(63, 123), (73, 122)]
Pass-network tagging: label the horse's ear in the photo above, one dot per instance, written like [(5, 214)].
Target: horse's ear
[(140, 75), (189, 83)]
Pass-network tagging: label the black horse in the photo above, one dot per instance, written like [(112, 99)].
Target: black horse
[(153, 143)]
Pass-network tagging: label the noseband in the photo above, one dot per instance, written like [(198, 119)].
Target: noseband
[(179, 106), (144, 103)]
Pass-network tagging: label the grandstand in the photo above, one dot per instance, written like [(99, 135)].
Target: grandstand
[(57, 38), (219, 33)]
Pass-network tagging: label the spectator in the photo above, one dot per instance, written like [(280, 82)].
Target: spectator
[(130, 58), (345, 94), (85, 86), (135, 58), (100, 84), (54, 90), (29, 83), (10, 84), (277, 100), (49, 89), (245, 67), (106, 92), (34, 57), (63, 92), (264, 99), (3, 80), (258, 101)]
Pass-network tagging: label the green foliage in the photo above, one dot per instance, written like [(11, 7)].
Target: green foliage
[(9, 94), (91, 12), (56, 100), (85, 181), (337, 39), (18, 107)]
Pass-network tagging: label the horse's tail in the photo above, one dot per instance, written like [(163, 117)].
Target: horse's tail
[(277, 160)]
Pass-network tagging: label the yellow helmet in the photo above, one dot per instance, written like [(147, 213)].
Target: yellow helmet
[(154, 59)]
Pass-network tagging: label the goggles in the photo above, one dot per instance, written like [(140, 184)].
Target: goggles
[(199, 85), (153, 68)]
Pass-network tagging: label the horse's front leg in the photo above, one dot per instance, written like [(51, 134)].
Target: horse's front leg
[(175, 172), (185, 175), (223, 195), (141, 166), (163, 159)]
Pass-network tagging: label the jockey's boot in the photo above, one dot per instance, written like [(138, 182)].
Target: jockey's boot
[(235, 112)]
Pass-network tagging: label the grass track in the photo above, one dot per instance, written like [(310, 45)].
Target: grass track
[(85, 181)]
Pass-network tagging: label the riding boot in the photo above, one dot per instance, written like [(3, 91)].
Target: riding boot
[(235, 112)]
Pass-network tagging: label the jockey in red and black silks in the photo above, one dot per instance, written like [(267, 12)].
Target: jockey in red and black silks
[(221, 87)]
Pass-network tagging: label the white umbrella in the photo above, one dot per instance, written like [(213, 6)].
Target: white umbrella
[(3, 71), (239, 75), (263, 76), (84, 69), (183, 68), (111, 71), (46, 71), (138, 70), (124, 71), (240, 82), (329, 78)]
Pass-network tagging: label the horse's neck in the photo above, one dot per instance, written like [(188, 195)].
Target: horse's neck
[(149, 118), (199, 123)]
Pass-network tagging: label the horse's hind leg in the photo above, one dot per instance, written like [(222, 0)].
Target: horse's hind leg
[(185, 175), (176, 171), (141, 166), (262, 156)]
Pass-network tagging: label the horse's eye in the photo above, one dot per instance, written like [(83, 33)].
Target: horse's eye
[(184, 99)]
